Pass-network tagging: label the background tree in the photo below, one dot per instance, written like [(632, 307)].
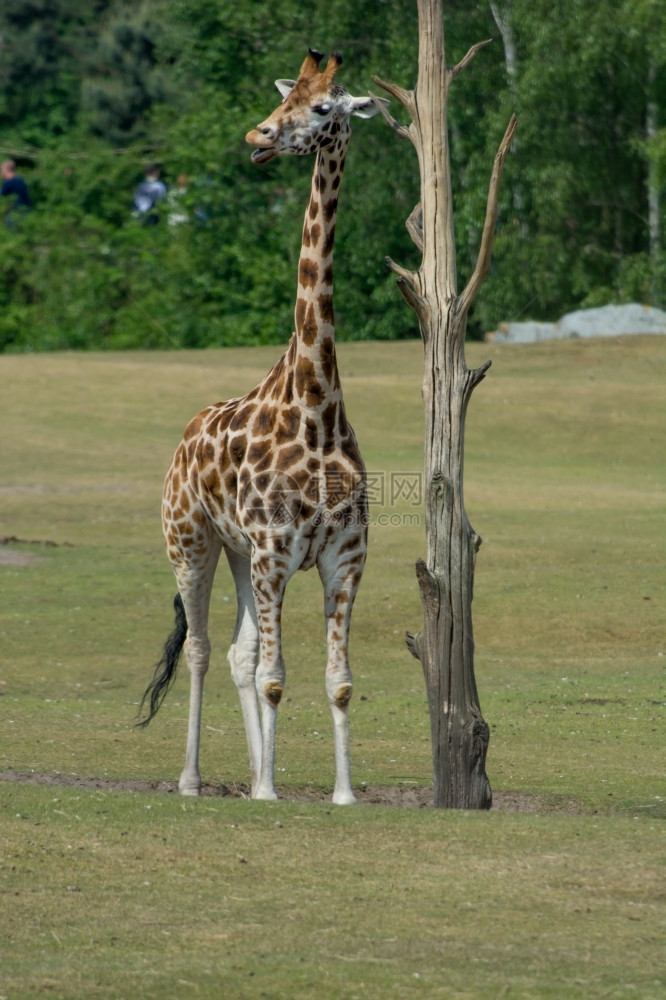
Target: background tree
[(124, 79), (43, 47)]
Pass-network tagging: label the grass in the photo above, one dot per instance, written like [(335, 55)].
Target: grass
[(114, 894), (126, 896)]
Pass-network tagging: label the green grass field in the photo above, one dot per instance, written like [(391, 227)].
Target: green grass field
[(110, 890)]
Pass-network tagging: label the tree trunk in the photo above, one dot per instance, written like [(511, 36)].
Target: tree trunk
[(502, 18), (445, 646), (502, 15), (653, 188)]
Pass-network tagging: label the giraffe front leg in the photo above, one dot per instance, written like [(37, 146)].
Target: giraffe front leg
[(269, 579), (341, 575), (270, 687), (270, 693), (242, 657), (339, 702)]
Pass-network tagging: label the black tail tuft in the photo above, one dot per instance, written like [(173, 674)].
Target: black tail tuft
[(165, 670)]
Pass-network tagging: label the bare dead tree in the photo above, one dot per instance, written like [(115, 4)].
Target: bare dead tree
[(445, 646)]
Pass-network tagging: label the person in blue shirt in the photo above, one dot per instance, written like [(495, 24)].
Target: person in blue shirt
[(149, 192), (13, 185)]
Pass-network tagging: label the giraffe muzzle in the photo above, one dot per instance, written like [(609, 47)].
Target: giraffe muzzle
[(263, 139), (263, 155)]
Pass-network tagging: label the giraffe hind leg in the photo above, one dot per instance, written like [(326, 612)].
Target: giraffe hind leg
[(194, 556), (270, 575), (243, 655), (197, 651), (340, 569)]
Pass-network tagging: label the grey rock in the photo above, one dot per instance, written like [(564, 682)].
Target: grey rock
[(607, 321)]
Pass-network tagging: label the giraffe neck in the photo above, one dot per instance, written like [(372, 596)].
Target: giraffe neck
[(315, 367)]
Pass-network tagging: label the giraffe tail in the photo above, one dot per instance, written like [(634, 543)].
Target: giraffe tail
[(165, 669)]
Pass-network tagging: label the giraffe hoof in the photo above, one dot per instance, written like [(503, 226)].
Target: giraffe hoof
[(189, 787), (265, 795), (344, 798)]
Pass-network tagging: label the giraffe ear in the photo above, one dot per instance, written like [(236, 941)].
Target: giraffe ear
[(285, 87), (367, 107)]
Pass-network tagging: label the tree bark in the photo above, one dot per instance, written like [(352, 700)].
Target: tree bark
[(445, 646)]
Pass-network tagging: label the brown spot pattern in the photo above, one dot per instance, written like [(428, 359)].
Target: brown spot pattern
[(288, 394), (328, 419), (330, 208), (327, 248), (289, 427), (309, 328), (238, 447), (288, 456), (327, 358), (326, 309), (311, 434), (258, 454), (308, 273), (308, 386), (193, 428), (265, 419)]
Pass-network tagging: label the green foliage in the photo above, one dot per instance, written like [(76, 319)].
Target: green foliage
[(124, 79), (43, 46), (89, 93)]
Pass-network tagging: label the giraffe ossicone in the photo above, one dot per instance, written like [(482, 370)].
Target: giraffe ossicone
[(275, 478)]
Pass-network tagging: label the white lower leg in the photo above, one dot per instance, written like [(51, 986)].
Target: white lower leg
[(250, 709), (342, 793), (266, 786), (242, 659), (198, 654)]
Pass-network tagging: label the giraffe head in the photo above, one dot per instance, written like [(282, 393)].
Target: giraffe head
[(314, 110)]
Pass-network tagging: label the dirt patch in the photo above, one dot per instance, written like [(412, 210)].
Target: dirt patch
[(11, 557), (415, 798)]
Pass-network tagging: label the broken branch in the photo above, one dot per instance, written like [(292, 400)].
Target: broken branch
[(466, 60), (492, 208), (476, 375), (413, 300), (402, 272), (402, 130), (406, 97), (414, 226)]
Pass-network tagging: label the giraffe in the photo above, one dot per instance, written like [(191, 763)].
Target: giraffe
[(275, 478)]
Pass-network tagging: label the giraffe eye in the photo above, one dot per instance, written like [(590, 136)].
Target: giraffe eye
[(321, 109)]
